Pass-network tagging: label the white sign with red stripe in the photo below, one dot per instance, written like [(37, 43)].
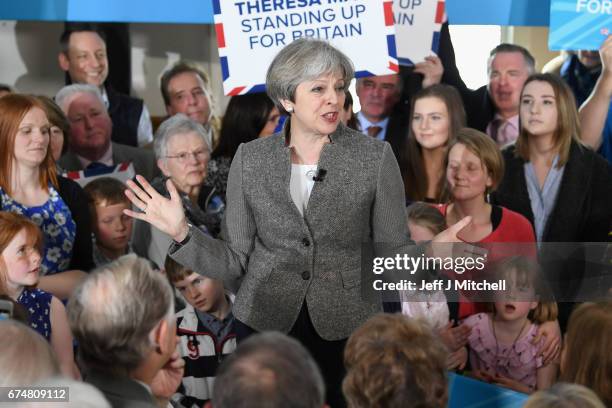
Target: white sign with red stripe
[(417, 28), (122, 172), (251, 32)]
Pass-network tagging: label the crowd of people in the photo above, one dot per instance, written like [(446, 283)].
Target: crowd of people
[(229, 271)]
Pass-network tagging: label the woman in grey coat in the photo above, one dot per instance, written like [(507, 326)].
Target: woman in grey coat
[(301, 205)]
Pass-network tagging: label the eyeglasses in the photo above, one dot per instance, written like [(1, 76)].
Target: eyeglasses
[(183, 157)]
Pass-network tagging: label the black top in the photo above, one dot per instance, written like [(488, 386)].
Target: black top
[(76, 200)]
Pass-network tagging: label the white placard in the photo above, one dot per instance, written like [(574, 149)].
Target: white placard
[(417, 28), (251, 32)]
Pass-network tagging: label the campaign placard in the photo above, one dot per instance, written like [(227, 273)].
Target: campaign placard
[(579, 24), (417, 28), (251, 32)]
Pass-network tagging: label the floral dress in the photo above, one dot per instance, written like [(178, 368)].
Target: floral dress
[(518, 361), (38, 304), (55, 221)]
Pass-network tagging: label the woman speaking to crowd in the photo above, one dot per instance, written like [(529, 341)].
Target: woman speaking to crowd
[(300, 205)]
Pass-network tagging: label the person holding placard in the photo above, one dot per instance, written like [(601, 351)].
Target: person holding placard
[(301, 205), (596, 113)]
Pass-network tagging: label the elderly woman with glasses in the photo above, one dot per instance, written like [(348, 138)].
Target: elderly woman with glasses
[(182, 150), (301, 206)]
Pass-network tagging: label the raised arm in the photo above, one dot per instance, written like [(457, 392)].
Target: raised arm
[(223, 259), (594, 110)]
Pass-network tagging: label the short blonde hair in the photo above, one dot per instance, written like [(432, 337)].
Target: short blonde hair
[(392, 359), (485, 149)]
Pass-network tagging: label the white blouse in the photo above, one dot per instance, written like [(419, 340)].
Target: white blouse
[(301, 184)]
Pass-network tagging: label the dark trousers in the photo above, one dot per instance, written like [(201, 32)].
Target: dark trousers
[(327, 354)]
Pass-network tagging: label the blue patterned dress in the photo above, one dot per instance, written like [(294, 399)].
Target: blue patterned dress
[(38, 304), (55, 221)]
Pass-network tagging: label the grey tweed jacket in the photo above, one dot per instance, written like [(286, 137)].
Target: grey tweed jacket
[(284, 258)]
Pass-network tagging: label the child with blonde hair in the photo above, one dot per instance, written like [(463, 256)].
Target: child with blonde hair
[(20, 260), (501, 344)]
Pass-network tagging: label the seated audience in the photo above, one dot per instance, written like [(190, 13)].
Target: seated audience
[(112, 230), (182, 148), (269, 370), (122, 317), (30, 186), (596, 112), (83, 57), (564, 395), (90, 145), (20, 240), (25, 357), (393, 361), (206, 331), (502, 348), (586, 357), (59, 130), (425, 222), (561, 186), (246, 118), (436, 115)]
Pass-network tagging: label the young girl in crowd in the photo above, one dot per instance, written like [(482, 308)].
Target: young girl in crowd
[(20, 262), (425, 222), (501, 343), (586, 357), (436, 116)]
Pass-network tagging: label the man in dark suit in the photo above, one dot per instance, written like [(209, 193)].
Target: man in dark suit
[(494, 108), (83, 57), (90, 144), (123, 320)]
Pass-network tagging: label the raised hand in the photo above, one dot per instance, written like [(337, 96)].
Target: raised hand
[(431, 69), (167, 215)]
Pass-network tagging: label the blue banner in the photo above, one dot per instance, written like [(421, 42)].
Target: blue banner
[(465, 392), (129, 11), (579, 24), (498, 12)]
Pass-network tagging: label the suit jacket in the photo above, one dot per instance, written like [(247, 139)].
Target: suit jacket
[(122, 392), (125, 113), (286, 259), (142, 159)]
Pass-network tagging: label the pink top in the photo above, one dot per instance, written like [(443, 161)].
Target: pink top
[(518, 362)]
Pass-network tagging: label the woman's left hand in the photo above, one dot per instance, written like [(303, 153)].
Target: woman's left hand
[(166, 215), (550, 348)]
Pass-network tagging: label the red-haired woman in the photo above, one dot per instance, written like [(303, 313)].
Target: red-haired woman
[(30, 186)]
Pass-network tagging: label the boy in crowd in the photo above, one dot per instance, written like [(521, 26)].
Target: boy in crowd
[(112, 229), (206, 331)]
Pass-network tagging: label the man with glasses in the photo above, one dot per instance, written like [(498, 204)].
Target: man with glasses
[(90, 145)]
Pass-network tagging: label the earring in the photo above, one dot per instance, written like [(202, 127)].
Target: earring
[(289, 109)]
